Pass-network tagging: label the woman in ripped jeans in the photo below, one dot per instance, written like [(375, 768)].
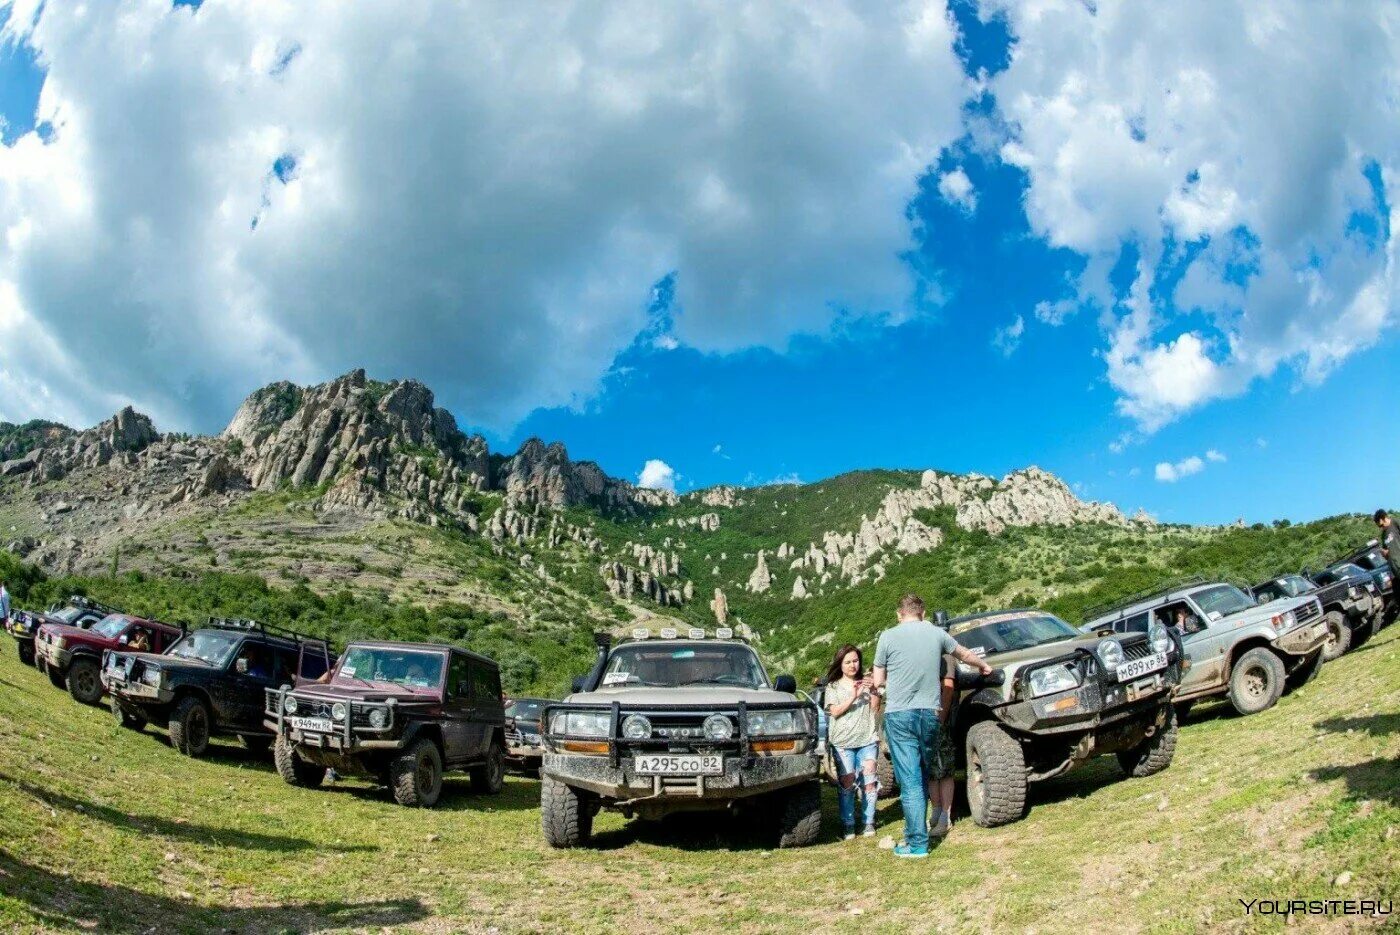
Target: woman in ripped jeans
[(850, 706)]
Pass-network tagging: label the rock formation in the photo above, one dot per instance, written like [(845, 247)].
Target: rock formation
[(760, 581), (720, 607)]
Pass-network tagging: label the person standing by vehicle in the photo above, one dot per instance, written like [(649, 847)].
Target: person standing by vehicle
[(850, 704), (908, 665), (946, 760), (1390, 540)]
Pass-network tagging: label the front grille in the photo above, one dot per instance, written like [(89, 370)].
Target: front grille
[(1138, 650), (1307, 611), (513, 737)]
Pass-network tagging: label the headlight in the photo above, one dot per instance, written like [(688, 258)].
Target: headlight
[(338, 711), (1351, 591), (636, 727), (1284, 620), (1110, 653), (718, 727), (60, 642), (379, 718), (773, 722), (532, 739), (151, 676), (1052, 679), (1160, 639), (289, 704), (580, 723)]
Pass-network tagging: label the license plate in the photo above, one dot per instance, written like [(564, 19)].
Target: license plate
[(320, 724), (1131, 670), (1144, 687), (653, 764)]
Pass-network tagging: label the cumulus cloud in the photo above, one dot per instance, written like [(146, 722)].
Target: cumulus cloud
[(1259, 210), (1006, 339), (956, 189), (478, 195), (1217, 457), (1169, 472), (657, 475)]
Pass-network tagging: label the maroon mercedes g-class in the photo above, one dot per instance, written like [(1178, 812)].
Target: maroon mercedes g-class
[(400, 713), (72, 657)]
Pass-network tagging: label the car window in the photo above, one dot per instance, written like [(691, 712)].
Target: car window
[(315, 659), (457, 679), (1221, 600), (485, 683), (1137, 623), (111, 627), (672, 665), (260, 659), (286, 665)]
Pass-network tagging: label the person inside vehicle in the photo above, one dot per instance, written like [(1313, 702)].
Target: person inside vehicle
[(415, 675), (256, 660), (140, 641), (850, 710), (1183, 620)]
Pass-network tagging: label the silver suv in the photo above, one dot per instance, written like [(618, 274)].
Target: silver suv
[(666, 725), (1246, 651)]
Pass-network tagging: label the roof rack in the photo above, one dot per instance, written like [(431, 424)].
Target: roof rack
[(266, 629), (87, 603), (1350, 556), (1108, 607)]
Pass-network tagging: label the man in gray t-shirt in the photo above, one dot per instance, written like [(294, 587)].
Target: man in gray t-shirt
[(908, 666)]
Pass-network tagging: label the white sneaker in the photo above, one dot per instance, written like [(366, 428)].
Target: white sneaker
[(850, 835), (869, 832)]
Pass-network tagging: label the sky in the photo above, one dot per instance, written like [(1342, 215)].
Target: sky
[(1147, 248)]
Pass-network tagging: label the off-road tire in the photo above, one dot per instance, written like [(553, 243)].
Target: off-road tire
[(56, 678), (490, 777), (800, 819), (125, 718), (1155, 753), (1338, 635), (256, 743), (26, 653), (1183, 710), (1256, 681), (1304, 673), (1362, 633), (85, 681), (996, 776), (884, 771), (294, 770), (416, 775), (190, 726), (565, 818)]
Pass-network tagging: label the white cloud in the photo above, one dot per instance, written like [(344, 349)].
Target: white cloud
[(718, 450), (1261, 442), (1217, 457), (657, 475), (481, 196), (1008, 338), (956, 189), (1138, 127), (1169, 473)]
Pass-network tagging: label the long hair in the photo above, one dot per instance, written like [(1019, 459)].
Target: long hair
[(834, 674)]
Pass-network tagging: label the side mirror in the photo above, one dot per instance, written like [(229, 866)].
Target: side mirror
[(940, 619), (576, 685), (785, 684), (241, 667), (124, 639)]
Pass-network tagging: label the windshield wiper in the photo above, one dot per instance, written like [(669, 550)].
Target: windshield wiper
[(715, 680)]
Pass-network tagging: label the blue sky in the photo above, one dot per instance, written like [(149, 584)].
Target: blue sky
[(1095, 280)]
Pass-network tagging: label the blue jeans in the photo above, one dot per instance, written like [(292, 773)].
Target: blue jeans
[(849, 761), (913, 740)]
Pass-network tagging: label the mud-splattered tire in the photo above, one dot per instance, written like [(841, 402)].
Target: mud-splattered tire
[(884, 771), (416, 775), (85, 681), (1256, 681), (1338, 635), (1155, 753), (1304, 673), (565, 818), (294, 770), (125, 718), (996, 776), (26, 653), (189, 727), (799, 814), (490, 777), (256, 743)]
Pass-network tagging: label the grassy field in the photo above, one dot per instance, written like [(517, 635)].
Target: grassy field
[(105, 830)]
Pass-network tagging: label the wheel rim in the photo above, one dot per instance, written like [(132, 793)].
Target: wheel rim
[(84, 681), (498, 767), (1256, 682), (427, 775)]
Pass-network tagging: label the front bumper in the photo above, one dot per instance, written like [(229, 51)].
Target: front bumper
[(742, 777), (1304, 640), (1098, 703), (53, 657)]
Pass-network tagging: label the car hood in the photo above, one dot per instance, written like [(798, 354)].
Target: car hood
[(68, 632), (1018, 657), (690, 695), (361, 693)]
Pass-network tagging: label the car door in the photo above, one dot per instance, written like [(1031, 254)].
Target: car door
[(457, 723), (254, 669), (314, 660), (1206, 648), (487, 713)]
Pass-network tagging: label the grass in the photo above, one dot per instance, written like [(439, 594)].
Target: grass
[(102, 829)]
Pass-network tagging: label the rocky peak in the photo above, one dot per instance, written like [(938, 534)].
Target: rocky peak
[(121, 437), (543, 474)]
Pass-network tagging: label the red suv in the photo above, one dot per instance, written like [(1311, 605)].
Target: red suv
[(72, 656)]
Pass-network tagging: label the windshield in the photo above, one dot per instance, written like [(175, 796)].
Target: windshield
[(1221, 600), (1008, 632), (111, 627), (1350, 571), (525, 709), (416, 670), (211, 646), (1292, 586), (671, 665)]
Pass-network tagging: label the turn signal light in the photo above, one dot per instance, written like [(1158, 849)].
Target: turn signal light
[(771, 747), (585, 746)]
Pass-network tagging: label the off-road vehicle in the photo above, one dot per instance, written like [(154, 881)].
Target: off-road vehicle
[(680, 724), (1057, 698), (78, 611), (211, 682), (1350, 607), (399, 713), (524, 745), (72, 656), (1370, 559), (1237, 648)]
